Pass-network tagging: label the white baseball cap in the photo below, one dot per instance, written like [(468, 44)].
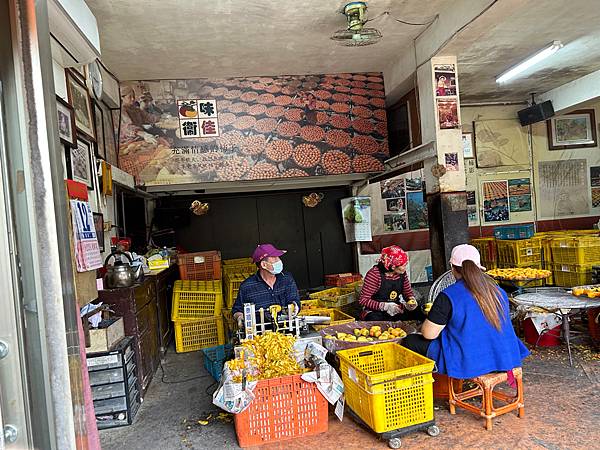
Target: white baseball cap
[(465, 252)]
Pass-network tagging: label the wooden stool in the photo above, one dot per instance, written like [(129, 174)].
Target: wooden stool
[(485, 389)]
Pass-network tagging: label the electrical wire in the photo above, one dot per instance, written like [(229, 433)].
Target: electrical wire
[(405, 22)]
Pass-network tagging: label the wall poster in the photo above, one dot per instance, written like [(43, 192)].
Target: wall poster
[(209, 130), (356, 216), (445, 79), (416, 210), (519, 191), (563, 188), (495, 201), (500, 143), (595, 182), (447, 110)]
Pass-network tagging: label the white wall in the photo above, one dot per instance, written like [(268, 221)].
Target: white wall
[(539, 152), (98, 202)]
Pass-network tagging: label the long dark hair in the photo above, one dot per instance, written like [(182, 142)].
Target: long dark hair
[(485, 290)]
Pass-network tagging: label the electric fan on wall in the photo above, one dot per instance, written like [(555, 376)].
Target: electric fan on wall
[(356, 34)]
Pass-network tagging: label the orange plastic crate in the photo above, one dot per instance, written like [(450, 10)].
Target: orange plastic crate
[(283, 408), (200, 266), (341, 279)]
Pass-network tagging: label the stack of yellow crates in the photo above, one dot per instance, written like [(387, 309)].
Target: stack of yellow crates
[(573, 256), (235, 271), (196, 313), (521, 253)]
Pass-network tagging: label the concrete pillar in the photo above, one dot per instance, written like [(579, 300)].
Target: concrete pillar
[(445, 174)]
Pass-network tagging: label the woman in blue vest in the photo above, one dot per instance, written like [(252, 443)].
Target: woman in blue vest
[(468, 331)]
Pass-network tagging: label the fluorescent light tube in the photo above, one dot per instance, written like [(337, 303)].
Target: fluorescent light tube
[(531, 61)]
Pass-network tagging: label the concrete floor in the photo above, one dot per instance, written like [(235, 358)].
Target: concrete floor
[(562, 411)]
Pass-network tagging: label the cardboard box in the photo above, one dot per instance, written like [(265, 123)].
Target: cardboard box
[(104, 338)]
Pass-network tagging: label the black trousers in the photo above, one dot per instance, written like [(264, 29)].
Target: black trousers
[(417, 343), (382, 316)]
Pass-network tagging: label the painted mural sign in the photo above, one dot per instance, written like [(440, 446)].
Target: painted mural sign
[(192, 131)]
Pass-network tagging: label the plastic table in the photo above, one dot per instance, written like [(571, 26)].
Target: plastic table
[(558, 301)]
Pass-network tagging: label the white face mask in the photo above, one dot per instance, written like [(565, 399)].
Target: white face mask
[(277, 267)]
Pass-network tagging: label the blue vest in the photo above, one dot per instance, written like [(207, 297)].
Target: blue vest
[(469, 345)]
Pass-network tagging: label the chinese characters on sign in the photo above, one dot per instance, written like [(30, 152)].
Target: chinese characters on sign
[(198, 118)]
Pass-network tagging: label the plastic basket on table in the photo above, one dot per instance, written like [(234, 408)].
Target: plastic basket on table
[(196, 299), (337, 316), (388, 386), (334, 297), (569, 275), (514, 231), (283, 408), (576, 250), (524, 283), (215, 357), (518, 252), (192, 335), (200, 266), (238, 265)]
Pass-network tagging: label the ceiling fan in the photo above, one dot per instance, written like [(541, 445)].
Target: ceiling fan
[(356, 34)]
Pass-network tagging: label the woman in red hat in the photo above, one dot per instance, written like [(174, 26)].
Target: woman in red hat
[(386, 293)]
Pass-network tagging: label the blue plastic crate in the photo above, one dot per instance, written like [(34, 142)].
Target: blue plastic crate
[(514, 231), (215, 357)]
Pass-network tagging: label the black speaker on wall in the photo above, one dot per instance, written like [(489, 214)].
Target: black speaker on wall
[(536, 113)]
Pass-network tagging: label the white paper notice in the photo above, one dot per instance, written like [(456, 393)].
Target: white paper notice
[(356, 216), (339, 408), (87, 251)]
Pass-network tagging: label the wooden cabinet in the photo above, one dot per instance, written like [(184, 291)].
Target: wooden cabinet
[(164, 281), (138, 307)]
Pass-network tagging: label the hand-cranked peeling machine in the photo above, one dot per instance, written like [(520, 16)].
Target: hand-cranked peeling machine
[(272, 320)]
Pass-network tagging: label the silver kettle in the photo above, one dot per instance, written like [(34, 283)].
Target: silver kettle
[(120, 274)]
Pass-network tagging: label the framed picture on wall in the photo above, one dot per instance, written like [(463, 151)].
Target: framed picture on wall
[(100, 135), (468, 147), (99, 226), (66, 122), (573, 130), (110, 142), (79, 99), (80, 163)]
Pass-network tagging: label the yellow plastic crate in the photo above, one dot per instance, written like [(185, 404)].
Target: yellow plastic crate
[(337, 316), (487, 248), (335, 297), (569, 275), (388, 386), (522, 251), (192, 335), (232, 282), (576, 250), (196, 299), (229, 323), (238, 265), (489, 265)]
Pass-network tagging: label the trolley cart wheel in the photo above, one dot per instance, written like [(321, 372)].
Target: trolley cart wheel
[(433, 430), (395, 443)]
